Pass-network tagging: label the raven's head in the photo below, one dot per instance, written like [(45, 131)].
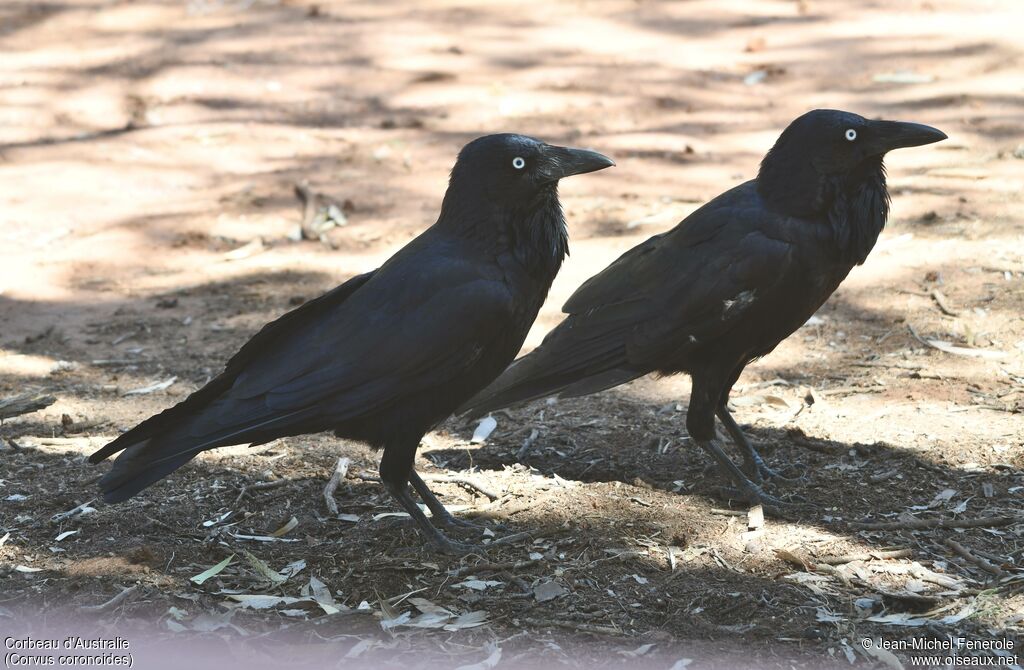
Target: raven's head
[(514, 171), (828, 165), (831, 146)]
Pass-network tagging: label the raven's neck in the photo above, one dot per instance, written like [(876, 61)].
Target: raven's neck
[(855, 205), (858, 210), (534, 234)]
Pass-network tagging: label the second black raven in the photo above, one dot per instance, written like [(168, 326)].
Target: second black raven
[(389, 354), (727, 284)]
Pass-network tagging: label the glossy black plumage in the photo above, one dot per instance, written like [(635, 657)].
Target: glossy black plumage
[(389, 354), (727, 284)]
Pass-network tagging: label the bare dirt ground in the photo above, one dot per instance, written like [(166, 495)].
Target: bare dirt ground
[(148, 156)]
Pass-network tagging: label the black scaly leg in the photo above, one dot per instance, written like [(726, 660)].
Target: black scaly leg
[(437, 509), (705, 398), (395, 472), (753, 464)]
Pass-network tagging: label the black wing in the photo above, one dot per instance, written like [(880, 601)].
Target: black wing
[(667, 295), (420, 320)]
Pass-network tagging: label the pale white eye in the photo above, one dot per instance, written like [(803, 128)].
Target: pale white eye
[(518, 163), (851, 134)]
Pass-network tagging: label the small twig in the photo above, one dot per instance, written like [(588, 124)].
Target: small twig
[(570, 625), (340, 470), (943, 303), (882, 476), (492, 567), (882, 364), (728, 512), (527, 443), (503, 509), (865, 556), (919, 524), (259, 486), (919, 338), (455, 479), (113, 602), (511, 539), (967, 554), (308, 201), (395, 600)]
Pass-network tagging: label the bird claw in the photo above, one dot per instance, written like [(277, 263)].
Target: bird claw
[(759, 472)]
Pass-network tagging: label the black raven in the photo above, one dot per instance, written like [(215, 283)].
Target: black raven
[(389, 354), (727, 284)]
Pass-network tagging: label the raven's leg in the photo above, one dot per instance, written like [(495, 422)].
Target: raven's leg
[(395, 471), (748, 490), (705, 397), (437, 509), (753, 464)]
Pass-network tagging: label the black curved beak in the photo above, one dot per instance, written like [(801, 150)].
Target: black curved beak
[(559, 162), (889, 135)]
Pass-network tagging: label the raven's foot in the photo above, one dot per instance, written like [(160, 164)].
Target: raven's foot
[(745, 489), (753, 465), (439, 540), (440, 514), (446, 520), (758, 471)]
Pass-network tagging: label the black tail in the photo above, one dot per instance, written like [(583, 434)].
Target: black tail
[(207, 419), (536, 376), (146, 460)]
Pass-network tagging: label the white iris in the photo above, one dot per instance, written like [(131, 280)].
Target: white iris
[(851, 134), (518, 163)]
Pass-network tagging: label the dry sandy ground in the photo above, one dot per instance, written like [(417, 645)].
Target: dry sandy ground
[(141, 143)]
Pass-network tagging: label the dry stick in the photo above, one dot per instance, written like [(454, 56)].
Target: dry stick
[(581, 627), (259, 486), (112, 603), (527, 443), (881, 364), (940, 299), (492, 567), (727, 512), (499, 509), (966, 553), (23, 404), (882, 476), (866, 556), (919, 524), (437, 478), (511, 539), (468, 483), (340, 470)]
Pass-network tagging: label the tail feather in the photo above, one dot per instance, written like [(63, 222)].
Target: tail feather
[(146, 461), (132, 471), (532, 377)]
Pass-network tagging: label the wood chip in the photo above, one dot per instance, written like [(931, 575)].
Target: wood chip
[(340, 470), (940, 299), (23, 404)]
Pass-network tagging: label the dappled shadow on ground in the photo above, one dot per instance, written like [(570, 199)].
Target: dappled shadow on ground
[(626, 559)]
